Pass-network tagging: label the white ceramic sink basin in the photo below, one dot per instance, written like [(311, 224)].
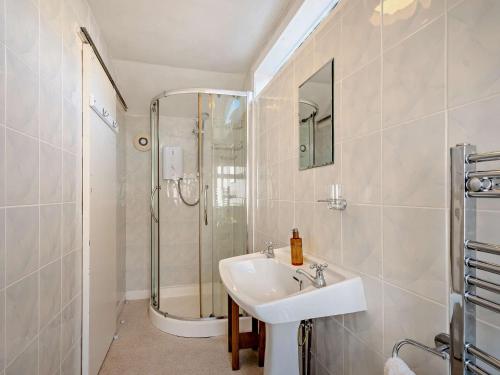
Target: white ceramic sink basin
[(266, 289)]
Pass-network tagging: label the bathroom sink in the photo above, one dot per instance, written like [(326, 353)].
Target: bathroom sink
[(270, 290), (266, 289)]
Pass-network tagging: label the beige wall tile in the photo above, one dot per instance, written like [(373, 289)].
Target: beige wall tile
[(361, 101), (51, 227), (413, 77), (22, 31), (304, 184), (368, 325), (362, 239), (21, 315), (473, 54), (3, 358), (2, 78), (2, 166), (26, 363), (304, 62), (359, 359), (21, 167), (286, 222), (49, 347), (21, 242), (50, 292), (51, 45), (326, 233), (361, 160), (72, 275), (328, 46), (415, 250), (70, 326), (361, 27), (2, 249), (406, 315), (329, 353), (51, 179), (403, 19), (51, 114), (412, 156), (21, 110)]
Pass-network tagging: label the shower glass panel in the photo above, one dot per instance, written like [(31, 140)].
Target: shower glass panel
[(224, 233), (199, 163)]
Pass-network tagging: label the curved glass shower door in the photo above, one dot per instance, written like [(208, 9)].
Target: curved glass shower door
[(199, 167)]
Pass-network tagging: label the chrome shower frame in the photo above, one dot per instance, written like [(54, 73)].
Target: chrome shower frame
[(154, 203)]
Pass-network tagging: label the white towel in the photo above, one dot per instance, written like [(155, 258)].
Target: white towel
[(396, 366)]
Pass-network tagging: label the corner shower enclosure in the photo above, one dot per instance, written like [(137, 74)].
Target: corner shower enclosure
[(198, 205)]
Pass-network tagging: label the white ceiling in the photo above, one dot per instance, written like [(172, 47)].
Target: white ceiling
[(215, 35)]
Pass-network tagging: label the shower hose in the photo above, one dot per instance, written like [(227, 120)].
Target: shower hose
[(182, 198)]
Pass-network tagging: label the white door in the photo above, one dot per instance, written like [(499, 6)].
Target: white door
[(100, 196)]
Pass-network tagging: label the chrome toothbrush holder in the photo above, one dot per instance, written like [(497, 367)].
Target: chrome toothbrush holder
[(335, 202)]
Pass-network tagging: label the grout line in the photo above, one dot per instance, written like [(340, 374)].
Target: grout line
[(412, 121), (38, 205), (415, 294), (61, 249), (382, 272), (446, 172), (39, 191), (4, 161), (420, 28), (476, 101), (489, 324), (454, 5)]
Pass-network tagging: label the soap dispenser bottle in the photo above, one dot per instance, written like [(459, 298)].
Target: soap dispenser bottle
[(296, 248)]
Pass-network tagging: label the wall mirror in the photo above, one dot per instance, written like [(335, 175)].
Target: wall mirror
[(316, 133)]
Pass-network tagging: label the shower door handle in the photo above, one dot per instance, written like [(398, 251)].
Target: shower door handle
[(152, 207), (205, 211)]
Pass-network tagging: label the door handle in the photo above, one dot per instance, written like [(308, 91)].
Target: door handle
[(205, 210), (152, 206)]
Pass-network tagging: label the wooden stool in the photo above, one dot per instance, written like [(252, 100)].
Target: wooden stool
[(237, 340)]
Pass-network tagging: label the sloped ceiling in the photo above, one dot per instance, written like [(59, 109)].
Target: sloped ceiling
[(214, 35)]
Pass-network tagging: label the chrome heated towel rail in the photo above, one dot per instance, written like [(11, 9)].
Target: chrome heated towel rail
[(468, 184)]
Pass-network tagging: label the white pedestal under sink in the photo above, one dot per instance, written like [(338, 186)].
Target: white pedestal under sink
[(267, 289)]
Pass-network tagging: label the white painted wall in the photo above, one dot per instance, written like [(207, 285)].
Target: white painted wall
[(140, 82)]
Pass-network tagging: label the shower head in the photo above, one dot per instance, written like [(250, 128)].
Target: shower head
[(204, 116)]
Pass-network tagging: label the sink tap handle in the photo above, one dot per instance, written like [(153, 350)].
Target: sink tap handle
[(319, 267), (269, 250)]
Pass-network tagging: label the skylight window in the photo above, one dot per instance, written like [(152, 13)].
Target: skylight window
[(308, 16)]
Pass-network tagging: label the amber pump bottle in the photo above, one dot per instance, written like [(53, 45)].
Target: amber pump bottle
[(296, 248)]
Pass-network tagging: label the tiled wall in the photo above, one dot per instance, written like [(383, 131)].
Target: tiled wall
[(40, 184), (179, 222), (408, 85)]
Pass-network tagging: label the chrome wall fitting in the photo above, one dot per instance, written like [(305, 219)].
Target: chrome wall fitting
[(335, 202), (442, 348)]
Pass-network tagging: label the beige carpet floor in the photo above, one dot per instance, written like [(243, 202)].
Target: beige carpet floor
[(142, 349)]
